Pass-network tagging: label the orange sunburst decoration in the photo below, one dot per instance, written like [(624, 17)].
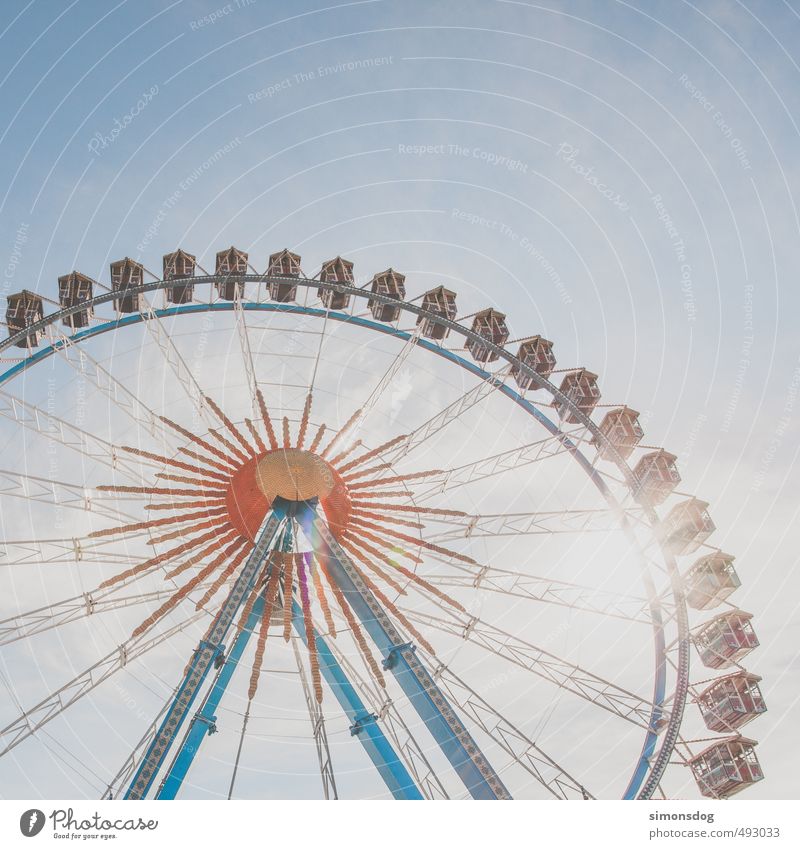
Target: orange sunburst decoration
[(227, 485)]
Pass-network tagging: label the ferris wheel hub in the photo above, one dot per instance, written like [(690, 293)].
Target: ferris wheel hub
[(294, 475)]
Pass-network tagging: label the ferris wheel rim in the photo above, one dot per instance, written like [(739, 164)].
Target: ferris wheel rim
[(649, 770)]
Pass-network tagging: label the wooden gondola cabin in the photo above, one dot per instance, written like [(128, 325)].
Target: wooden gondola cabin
[(75, 289), (390, 284), (582, 390), (731, 702), (231, 267), (24, 309), (490, 325), (725, 639), (686, 527), (657, 476), (537, 354), (127, 274), (336, 270), (179, 266), (622, 430), (440, 302), (710, 581), (726, 767), (283, 264)]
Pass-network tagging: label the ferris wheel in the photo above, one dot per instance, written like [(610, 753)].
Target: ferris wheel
[(482, 581)]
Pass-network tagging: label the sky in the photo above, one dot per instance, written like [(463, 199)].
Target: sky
[(619, 177)]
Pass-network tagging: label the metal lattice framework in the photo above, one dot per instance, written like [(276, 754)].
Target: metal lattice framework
[(338, 540)]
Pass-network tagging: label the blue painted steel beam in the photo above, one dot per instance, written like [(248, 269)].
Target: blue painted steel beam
[(364, 723), (204, 721), (458, 746), (203, 659)]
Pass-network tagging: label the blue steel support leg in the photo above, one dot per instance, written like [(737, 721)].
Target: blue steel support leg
[(480, 779), (204, 720), (203, 659), (364, 724)]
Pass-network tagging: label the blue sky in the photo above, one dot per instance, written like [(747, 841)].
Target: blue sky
[(620, 177)]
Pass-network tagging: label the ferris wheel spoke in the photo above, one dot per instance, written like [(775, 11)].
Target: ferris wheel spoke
[(29, 723), (317, 718), (246, 350), (91, 603), (123, 398), (59, 494), (87, 444), (497, 464), (57, 551), (546, 590), (593, 520), (436, 424), (346, 434), (385, 381), (563, 673), (177, 365), (523, 751)]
